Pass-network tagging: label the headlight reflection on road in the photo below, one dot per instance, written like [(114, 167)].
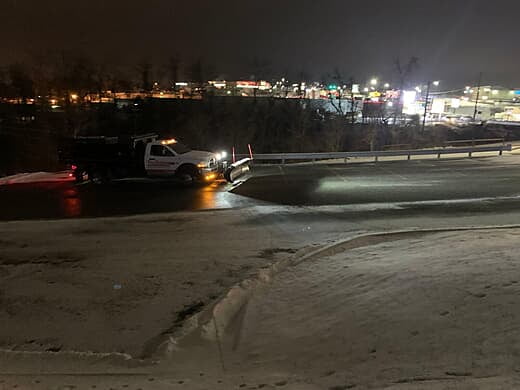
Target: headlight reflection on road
[(337, 184)]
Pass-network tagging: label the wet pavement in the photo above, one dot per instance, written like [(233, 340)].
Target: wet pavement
[(58, 200), (414, 183)]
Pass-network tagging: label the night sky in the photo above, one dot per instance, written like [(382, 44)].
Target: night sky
[(454, 39)]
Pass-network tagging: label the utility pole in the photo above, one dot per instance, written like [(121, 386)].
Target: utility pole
[(426, 105), (478, 95)]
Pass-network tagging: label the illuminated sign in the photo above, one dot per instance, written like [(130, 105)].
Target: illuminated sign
[(437, 106), (455, 103), (247, 84), (409, 97)]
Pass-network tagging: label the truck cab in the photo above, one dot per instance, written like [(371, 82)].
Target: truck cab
[(169, 158)]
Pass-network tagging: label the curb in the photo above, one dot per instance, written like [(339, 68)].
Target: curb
[(212, 322)]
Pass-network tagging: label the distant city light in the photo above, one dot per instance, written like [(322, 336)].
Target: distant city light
[(495, 92), (387, 85), (418, 89), (365, 89), (373, 81), (409, 97), (390, 104), (455, 103), (437, 106), (436, 83)]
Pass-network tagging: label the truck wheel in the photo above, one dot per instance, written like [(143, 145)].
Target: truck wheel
[(78, 176), (95, 176), (188, 174), (100, 176)]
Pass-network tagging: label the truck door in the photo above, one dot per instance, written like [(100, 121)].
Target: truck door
[(160, 160)]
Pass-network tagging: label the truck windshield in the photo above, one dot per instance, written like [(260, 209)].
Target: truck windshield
[(179, 148)]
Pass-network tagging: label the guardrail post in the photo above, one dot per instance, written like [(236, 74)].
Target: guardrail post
[(500, 152), (438, 155), (409, 157), (469, 154), (345, 160), (283, 161), (375, 160)]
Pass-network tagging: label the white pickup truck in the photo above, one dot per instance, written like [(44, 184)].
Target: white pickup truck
[(171, 158), (101, 159)]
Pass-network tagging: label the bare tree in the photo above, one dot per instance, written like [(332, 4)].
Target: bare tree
[(404, 71), (21, 82), (303, 77), (144, 70), (262, 69), (196, 72), (344, 88), (173, 70)]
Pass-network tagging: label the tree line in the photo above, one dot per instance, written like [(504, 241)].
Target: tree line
[(59, 74)]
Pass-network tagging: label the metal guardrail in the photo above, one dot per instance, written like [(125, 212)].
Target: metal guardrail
[(460, 142), (284, 157), (397, 146), (474, 142)]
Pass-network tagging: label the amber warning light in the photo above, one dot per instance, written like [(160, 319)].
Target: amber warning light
[(169, 141)]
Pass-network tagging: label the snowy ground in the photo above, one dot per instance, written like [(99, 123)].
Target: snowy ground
[(116, 284), (112, 285), (431, 310)]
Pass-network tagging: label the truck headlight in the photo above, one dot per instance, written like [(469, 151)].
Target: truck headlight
[(221, 155)]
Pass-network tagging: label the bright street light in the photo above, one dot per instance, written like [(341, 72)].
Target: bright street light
[(373, 82), (387, 85), (436, 83)]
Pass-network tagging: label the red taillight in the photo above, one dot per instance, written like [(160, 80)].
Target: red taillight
[(73, 167), (71, 175)]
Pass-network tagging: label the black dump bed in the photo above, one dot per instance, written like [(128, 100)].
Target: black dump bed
[(125, 151)]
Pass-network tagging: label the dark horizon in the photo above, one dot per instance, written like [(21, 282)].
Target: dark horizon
[(454, 42)]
